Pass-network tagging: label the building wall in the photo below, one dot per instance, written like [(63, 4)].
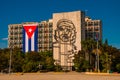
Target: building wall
[(15, 35), (45, 36), (71, 26), (93, 29), (62, 34)]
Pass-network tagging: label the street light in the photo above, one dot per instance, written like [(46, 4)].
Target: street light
[(98, 58), (10, 60)]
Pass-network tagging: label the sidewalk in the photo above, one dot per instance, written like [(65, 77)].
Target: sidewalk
[(95, 73)]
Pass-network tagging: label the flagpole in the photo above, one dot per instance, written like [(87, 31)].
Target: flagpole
[(98, 57), (10, 60)]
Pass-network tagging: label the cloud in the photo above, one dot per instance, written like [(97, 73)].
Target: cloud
[(4, 38)]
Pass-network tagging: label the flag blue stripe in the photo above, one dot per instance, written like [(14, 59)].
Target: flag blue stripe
[(36, 39), (29, 44)]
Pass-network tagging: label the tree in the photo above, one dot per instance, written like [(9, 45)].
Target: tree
[(17, 60), (31, 62), (115, 58), (35, 61), (57, 68), (30, 66), (108, 57), (118, 67), (47, 60), (97, 53), (88, 46), (4, 59), (80, 63), (49, 64)]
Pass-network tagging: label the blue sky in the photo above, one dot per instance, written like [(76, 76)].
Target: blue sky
[(18, 11)]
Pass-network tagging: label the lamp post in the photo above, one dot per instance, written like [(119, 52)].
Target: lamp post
[(96, 62), (10, 60), (97, 58)]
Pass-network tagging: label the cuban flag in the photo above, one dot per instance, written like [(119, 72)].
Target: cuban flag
[(96, 36), (30, 37)]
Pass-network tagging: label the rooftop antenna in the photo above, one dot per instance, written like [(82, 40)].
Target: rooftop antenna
[(86, 11)]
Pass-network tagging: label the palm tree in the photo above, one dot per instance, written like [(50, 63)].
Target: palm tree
[(88, 46), (97, 53), (106, 56)]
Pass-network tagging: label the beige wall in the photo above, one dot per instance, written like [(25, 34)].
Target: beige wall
[(59, 52)]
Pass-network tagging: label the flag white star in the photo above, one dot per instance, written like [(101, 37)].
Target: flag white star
[(30, 30)]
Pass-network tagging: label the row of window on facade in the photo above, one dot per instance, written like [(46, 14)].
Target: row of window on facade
[(40, 50), (16, 42), (18, 39), (92, 35), (39, 35), (45, 45), (15, 27), (21, 26), (45, 25), (96, 23), (39, 31), (15, 38), (16, 33), (45, 29), (45, 40), (45, 34), (93, 29)]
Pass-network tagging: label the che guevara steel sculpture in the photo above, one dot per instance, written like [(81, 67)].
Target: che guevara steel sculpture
[(65, 34)]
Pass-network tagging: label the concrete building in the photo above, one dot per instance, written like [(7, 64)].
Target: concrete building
[(45, 36), (68, 31), (62, 34), (15, 35), (93, 29)]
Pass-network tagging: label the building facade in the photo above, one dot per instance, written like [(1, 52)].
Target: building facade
[(44, 40), (15, 35), (93, 29), (68, 31), (45, 36), (62, 34)]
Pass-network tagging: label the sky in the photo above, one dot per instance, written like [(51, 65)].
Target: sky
[(18, 11)]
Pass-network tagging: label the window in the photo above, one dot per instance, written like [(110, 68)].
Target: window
[(50, 24), (90, 23), (96, 29)]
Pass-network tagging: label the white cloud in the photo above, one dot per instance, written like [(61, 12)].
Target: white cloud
[(4, 38)]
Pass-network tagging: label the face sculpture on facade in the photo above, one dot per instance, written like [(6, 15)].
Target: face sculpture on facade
[(65, 38), (65, 31)]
